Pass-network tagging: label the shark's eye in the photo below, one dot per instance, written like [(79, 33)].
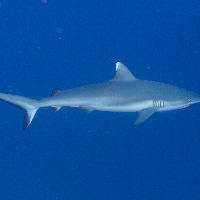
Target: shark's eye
[(189, 101)]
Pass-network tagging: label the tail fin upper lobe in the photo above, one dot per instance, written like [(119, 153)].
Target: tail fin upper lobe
[(27, 105)]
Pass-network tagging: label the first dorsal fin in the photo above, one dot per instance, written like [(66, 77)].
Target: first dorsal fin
[(122, 73)]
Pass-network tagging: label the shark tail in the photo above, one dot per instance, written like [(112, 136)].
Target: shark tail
[(27, 105)]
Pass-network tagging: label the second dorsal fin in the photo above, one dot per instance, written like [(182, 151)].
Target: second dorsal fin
[(55, 91)]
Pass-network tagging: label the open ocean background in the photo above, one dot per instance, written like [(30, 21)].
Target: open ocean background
[(99, 156)]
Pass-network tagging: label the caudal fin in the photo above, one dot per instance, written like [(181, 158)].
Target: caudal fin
[(29, 114), (27, 105)]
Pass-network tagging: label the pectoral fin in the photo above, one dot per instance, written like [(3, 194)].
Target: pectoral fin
[(144, 115)]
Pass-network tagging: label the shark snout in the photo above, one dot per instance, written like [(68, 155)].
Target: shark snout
[(194, 100)]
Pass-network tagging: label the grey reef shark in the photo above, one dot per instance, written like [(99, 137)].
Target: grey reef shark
[(123, 93)]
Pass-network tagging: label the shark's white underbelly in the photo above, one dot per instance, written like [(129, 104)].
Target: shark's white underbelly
[(113, 104), (132, 107)]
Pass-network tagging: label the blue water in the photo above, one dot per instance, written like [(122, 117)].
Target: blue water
[(101, 155)]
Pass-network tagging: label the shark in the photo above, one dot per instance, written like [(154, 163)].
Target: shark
[(123, 93)]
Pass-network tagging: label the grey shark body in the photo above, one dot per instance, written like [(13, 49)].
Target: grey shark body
[(123, 93)]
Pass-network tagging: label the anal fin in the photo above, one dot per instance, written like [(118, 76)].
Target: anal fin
[(56, 108)]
